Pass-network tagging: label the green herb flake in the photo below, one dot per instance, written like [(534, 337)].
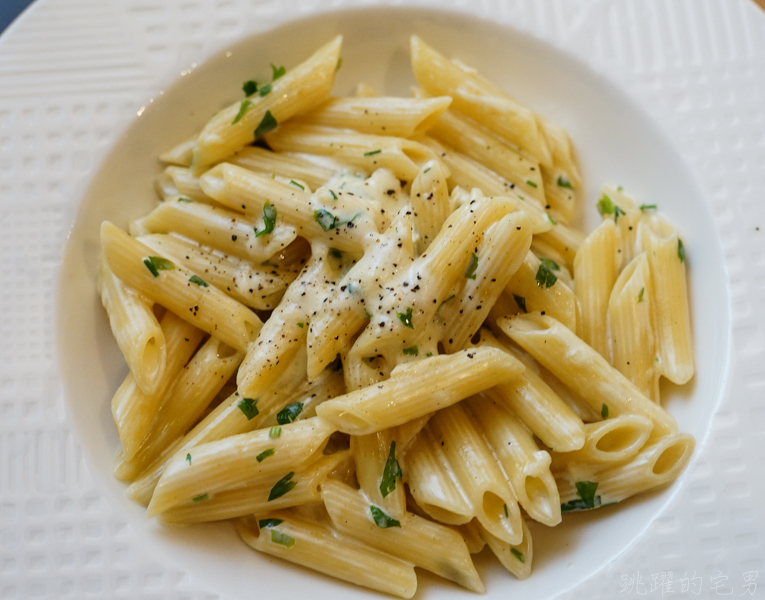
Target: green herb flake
[(265, 454), (545, 277), (640, 295), (301, 325), (391, 472), (531, 183), (201, 498), (277, 72), (289, 413), (372, 152), (604, 411), (334, 196), (263, 523), (680, 250), (269, 219), (249, 407), (507, 514), (619, 189), (406, 318), (265, 90), (472, 266), (367, 314), (440, 306), (277, 537), (339, 64), (326, 219), (243, 108), (517, 554), (188, 458), (426, 170), (552, 219), (275, 432), (295, 183), (520, 301), (155, 264), (282, 486), (185, 200), (587, 498), (382, 520), (606, 206), (645, 207), (564, 183), (250, 87), (335, 253), (267, 124), (429, 354), (413, 351), (198, 281), (268, 263)]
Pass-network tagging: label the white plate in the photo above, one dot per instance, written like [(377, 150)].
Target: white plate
[(659, 123)]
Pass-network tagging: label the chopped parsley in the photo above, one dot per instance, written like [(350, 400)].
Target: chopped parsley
[(295, 183), (267, 124), (604, 411), (250, 87), (282, 486), (426, 170), (326, 219), (243, 108), (587, 498), (440, 306), (335, 253), (520, 301), (531, 183), (334, 196), (429, 354), (564, 183), (301, 325), (201, 498), (198, 281), (265, 454), (367, 314), (277, 72), (412, 351), (275, 432), (372, 152), (640, 295), (517, 554), (188, 458), (277, 537), (545, 277), (606, 206), (680, 250), (406, 318), (382, 520), (507, 514), (249, 407), (269, 219), (391, 472), (472, 266), (155, 264), (265, 90), (262, 523), (645, 207), (185, 200), (550, 218), (268, 263), (289, 413)]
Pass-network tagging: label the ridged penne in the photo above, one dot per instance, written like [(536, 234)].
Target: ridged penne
[(516, 558), (298, 90), (135, 328), (595, 272), (580, 367), (317, 547), (425, 544), (430, 204)]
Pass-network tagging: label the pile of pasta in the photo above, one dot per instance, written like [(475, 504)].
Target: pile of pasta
[(363, 330)]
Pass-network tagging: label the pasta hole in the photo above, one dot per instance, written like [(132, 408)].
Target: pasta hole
[(538, 494), (252, 329), (671, 458), (619, 439), (225, 351), (152, 358), (493, 506)]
